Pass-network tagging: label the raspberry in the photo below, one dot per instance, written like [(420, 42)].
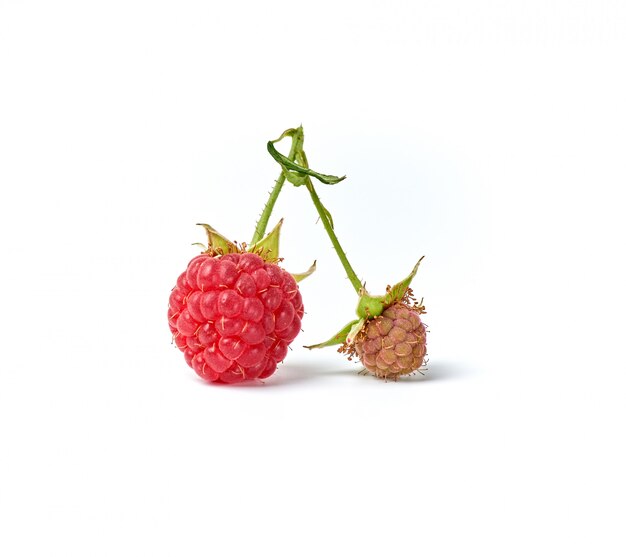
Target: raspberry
[(234, 316), (394, 343)]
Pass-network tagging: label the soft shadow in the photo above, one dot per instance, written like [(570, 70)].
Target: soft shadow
[(299, 372), (287, 374), (440, 371)]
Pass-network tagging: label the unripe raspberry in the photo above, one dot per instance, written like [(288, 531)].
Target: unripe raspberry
[(394, 343), (234, 316), (389, 337)]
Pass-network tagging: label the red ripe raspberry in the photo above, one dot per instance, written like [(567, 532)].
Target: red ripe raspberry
[(234, 316), (393, 343)]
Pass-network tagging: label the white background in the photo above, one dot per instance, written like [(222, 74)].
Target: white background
[(488, 136)]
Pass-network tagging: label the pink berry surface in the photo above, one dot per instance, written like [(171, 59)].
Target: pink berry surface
[(234, 316), (393, 343)]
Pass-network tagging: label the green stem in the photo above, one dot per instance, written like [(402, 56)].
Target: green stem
[(296, 144), (333, 238)]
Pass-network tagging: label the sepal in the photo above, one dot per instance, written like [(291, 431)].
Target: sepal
[(355, 330), (217, 242), (397, 291), (369, 306), (308, 272), (268, 247), (338, 338)]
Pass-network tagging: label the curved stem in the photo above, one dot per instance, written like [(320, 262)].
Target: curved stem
[(261, 226), (333, 238)]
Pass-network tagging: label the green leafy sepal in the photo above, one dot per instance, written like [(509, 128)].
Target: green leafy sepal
[(338, 338)]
